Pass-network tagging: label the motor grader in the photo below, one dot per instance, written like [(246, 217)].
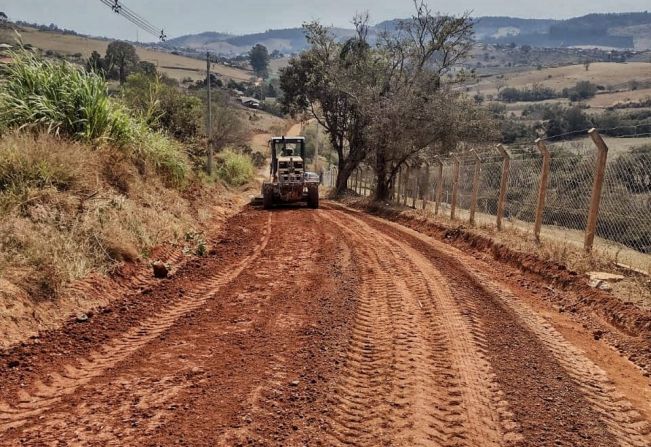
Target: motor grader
[(288, 181)]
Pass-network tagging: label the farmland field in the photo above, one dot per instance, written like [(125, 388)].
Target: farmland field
[(177, 67), (558, 78)]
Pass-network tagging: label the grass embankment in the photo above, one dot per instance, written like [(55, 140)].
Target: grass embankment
[(84, 182)]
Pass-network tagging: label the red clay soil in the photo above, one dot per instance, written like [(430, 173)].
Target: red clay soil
[(624, 325), (323, 328)]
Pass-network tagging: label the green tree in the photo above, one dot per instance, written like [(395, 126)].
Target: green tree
[(121, 55), (388, 103), (96, 64), (259, 59), (146, 68)]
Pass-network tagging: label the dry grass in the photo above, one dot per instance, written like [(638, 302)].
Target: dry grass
[(562, 246), (71, 210), (609, 99)]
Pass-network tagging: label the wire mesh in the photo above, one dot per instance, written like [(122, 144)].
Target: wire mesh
[(446, 189), (466, 175), (570, 184), (625, 211), (523, 185), (489, 186)]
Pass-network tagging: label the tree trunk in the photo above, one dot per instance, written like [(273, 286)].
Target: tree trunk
[(123, 74), (343, 173), (383, 190)]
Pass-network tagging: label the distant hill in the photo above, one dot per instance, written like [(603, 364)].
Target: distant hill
[(623, 31)]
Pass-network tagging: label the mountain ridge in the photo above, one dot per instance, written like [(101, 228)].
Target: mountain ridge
[(614, 30)]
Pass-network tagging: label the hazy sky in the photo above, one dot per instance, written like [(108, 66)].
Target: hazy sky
[(179, 17)]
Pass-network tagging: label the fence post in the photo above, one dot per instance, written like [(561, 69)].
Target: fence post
[(475, 186), (542, 188), (427, 189), (597, 187), (405, 185), (367, 181), (415, 185), (439, 187), (455, 186), (357, 180), (504, 183), (398, 184)]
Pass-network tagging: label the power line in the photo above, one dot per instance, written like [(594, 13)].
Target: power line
[(119, 8)]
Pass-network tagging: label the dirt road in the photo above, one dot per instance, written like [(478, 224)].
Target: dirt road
[(326, 328)]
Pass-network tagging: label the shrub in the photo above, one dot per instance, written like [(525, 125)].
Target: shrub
[(582, 90), (163, 154), (163, 106), (535, 93), (235, 169)]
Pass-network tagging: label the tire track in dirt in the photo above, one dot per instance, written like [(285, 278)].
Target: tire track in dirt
[(437, 392), (290, 263), (626, 425), (42, 397), (621, 418)]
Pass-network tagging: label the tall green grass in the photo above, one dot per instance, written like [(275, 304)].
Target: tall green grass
[(59, 98), (234, 168), (64, 100)]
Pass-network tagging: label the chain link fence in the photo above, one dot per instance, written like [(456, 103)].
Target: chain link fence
[(548, 193)]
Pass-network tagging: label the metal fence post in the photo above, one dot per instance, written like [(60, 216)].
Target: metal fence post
[(542, 188), (475, 186), (504, 182), (455, 186), (597, 186), (439, 187)]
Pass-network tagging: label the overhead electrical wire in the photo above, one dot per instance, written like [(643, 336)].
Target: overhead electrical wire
[(142, 23), (134, 18)]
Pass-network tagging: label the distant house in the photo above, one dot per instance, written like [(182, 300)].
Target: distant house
[(251, 103)]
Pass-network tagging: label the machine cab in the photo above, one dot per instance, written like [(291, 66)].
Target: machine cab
[(287, 159)]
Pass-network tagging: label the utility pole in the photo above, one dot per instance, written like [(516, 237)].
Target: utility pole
[(316, 147), (209, 114)]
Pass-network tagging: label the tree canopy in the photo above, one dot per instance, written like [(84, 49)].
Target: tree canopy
[(121, 55), (390, 102), (259, 59)]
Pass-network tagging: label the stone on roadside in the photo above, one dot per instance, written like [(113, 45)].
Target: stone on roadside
[(161, 270)]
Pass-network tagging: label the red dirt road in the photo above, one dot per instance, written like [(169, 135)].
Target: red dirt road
[(326, 328)]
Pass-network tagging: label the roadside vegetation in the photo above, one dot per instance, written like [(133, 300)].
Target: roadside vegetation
[(91, 176)]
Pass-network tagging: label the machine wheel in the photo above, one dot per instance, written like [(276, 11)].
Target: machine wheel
[(267, 200), (313, 198)]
